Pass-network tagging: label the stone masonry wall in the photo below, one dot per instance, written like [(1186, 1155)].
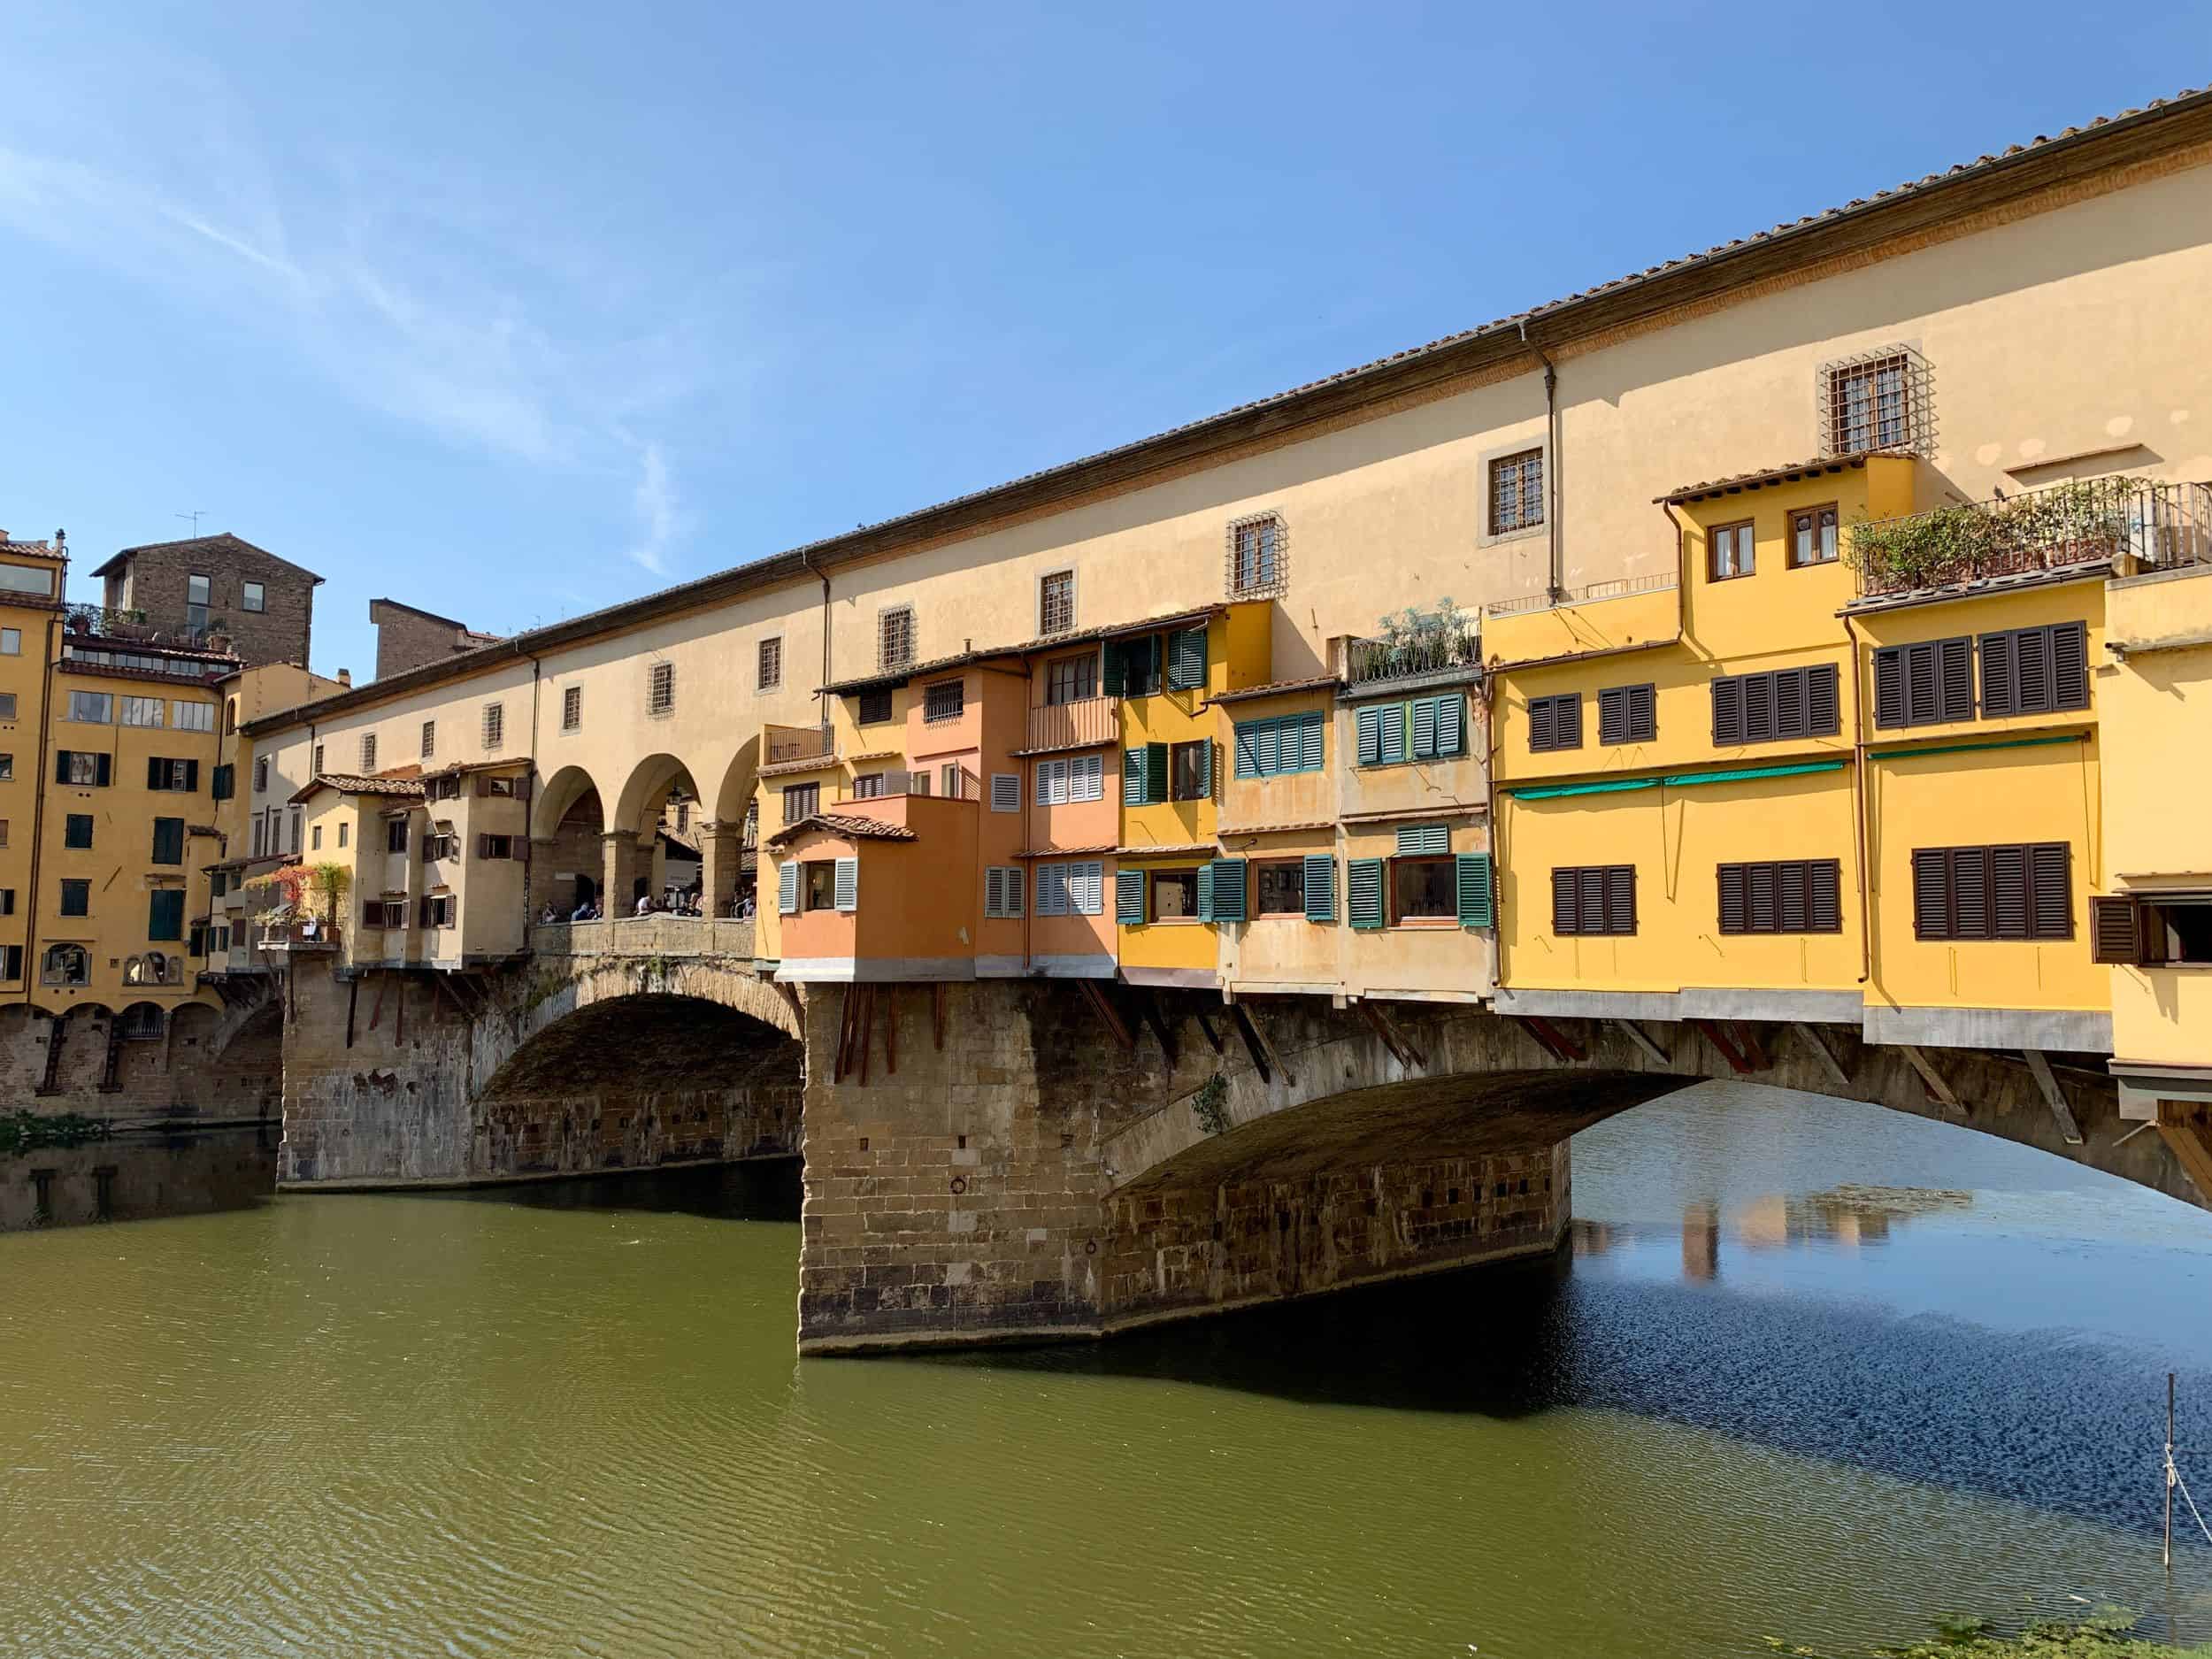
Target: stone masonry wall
[(196, 1068), (278, 633), (965, 1196)]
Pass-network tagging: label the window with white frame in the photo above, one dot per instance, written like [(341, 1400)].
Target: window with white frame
[(495, 725), (1071, 889), (91, 708), (1258, 560), (144, 710), (192, 717), (252, 596), (1516, 492)]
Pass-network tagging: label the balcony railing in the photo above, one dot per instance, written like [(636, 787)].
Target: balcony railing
[(1418, 651), (786, 743), (298, 936), (2090, 521), (1075, 724)]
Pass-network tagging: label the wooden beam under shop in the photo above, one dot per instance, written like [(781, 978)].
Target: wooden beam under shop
[(1384, 1034), (847, 1010), (2053, 1097), (399, 1016), (1747, 1039), (867, 1028), (1103, 1006), (442, 982), (1549, 1037), (2188, 1135), (1148, 1010), (1274, 1054), (1738, 1060), (1812, 1038), (890, 1030), (1938, 1089), (376, 1013), (937, 1014), (1252, 1044), (1206, 1025), (1645, 1045), (353, 997)]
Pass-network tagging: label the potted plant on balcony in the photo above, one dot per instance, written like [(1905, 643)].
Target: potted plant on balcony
[(1416, 641)]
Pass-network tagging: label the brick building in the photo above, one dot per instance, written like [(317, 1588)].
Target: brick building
[(216, 585), (409, 638)]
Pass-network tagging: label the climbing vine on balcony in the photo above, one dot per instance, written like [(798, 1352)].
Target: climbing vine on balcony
[(2066, 523)]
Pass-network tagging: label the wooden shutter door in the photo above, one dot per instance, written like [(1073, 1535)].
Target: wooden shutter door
[(1320, 887), (1205, 892), (1643, 713), (2116, 930), (2008, 891), (1969, 891), (1727, 712), (1758, 707), (1132, 776), (1613, 715), (156, 774), (1824, 898), (1734, 911), (1956, 664), (1590, 901), (1451, 728), (1543, 732), (1568, 720), (1822, 712), (2069, 665), (788, 889), (1789, 702), (1155, 772), (1425, 728), (1364, 878), (1229, 885), (1620, 899), (1129, 897), (1566, 908), (1368, 723), (2032, 661), (2050, 890), (1999, 682), (1889, 687), (1475, 908), (847, 884), (1248, 750)]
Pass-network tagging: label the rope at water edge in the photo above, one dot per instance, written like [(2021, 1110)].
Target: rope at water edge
[(2173, 1479)]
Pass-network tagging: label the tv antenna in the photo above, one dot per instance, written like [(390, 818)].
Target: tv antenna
[(195, 518)]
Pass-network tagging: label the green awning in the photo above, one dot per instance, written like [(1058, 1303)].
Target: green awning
[(1673, 780), (1968, 748)]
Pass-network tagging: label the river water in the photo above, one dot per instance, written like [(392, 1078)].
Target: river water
[(1811, 1369)]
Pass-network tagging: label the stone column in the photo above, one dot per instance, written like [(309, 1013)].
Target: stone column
[(718, 866), (623, 867)]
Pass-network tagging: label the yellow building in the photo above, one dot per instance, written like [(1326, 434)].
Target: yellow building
[(31, 577), (2154, 694)]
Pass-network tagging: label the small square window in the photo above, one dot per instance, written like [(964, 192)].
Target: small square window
[(947, 700), (1280, 886), (875, 707), (368, 751), (1425, 889), (1813, 536), (1258, 561), (1190, 770), (1174, 895), (252, 596), (495, 725), (77, 830), (1516, 492), (1876, 402), (76, 898), (11, 642), (895, 638), (1071, 679), (821, 884), (429, 739)]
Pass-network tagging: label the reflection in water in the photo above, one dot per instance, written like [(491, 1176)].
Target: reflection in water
[(567, 1419)]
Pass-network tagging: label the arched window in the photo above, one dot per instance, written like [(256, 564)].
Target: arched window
[(143, 1021), (134, 969), (67, 965)]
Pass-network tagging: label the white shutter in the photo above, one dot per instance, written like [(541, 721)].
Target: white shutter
[(849, 884), (1089, 779), (788, 889), (1052, 889), (1006, 791), (1089, 884)]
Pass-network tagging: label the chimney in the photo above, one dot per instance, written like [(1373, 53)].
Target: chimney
[(345, 678)]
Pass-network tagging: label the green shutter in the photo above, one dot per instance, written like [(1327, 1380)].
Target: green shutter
[(1155, 772), (1228, 885), (1247, 748), (1206, 769), (1320, 887), (1451, 724), (1423, 712), (1423, 840), (1132, 778), (1186, 659), (1205, 893), (1474, 890), (1311, 751), (1129, 897), (165, 917), (1113, 673), (1370, 723), (1364, 877), (788, 889)]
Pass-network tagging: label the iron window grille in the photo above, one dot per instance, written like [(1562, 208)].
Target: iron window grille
[(1055, 602), (771, 663), (947, 700), (895, 638), (660, 688), (572, 709), (1258, 557), (1880, 399), (1516, 492), (368, 751), (429, 739), (495, 723)]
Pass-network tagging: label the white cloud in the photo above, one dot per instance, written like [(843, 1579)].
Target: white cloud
[(655, 503)]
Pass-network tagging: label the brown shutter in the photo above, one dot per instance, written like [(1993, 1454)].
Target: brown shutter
[(1969, 891), (1542, 729), (1790, 897), (1620, 899), (2008, 891), (1822, 712), (1570, 721), (2116, 930), (1758, 707), (1759, 885), (1732, 898), (1930, 893), (1889, 687), (1643, 713), (2032, 660), (1823, 905), (1562, 902), (1957, 658), (1999, 683), (2051, 890), (2069, 665), (1920, 684), (1613, 715), (1590, 902), (1789, 702), (1727, 712)]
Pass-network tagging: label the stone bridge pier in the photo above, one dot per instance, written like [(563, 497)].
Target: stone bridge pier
[(1003, 1161)]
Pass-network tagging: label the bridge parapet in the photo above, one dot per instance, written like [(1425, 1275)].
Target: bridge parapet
[(660, 936)]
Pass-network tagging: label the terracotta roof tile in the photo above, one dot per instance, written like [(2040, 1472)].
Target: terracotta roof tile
[(865, 829), (355, 783), (1316, 683), (1785, 474)]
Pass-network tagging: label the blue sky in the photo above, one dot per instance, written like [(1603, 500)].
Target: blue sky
[(516, 312)]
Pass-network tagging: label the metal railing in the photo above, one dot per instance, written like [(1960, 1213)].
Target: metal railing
[(1422, 651), (795, 742), (1074, 725), (2130, 521), (104, 622), (1659, 582)]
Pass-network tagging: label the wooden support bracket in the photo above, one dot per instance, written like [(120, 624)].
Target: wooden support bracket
[(2188, 1135), (376, 1011), (1149, 1010), (1823, 1053), (1738, 1060), (1651, 1050), (1253, 1045), (1755, 1050), (1104, 1007), (1938, 1089), (937, 1014), (1206, 1024), (1553, 1041), (890, 1030), (867, 1028), (2053, 1097), (1383, 1032)]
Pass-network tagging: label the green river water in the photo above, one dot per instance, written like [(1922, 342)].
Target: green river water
[(1809, 1368)]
